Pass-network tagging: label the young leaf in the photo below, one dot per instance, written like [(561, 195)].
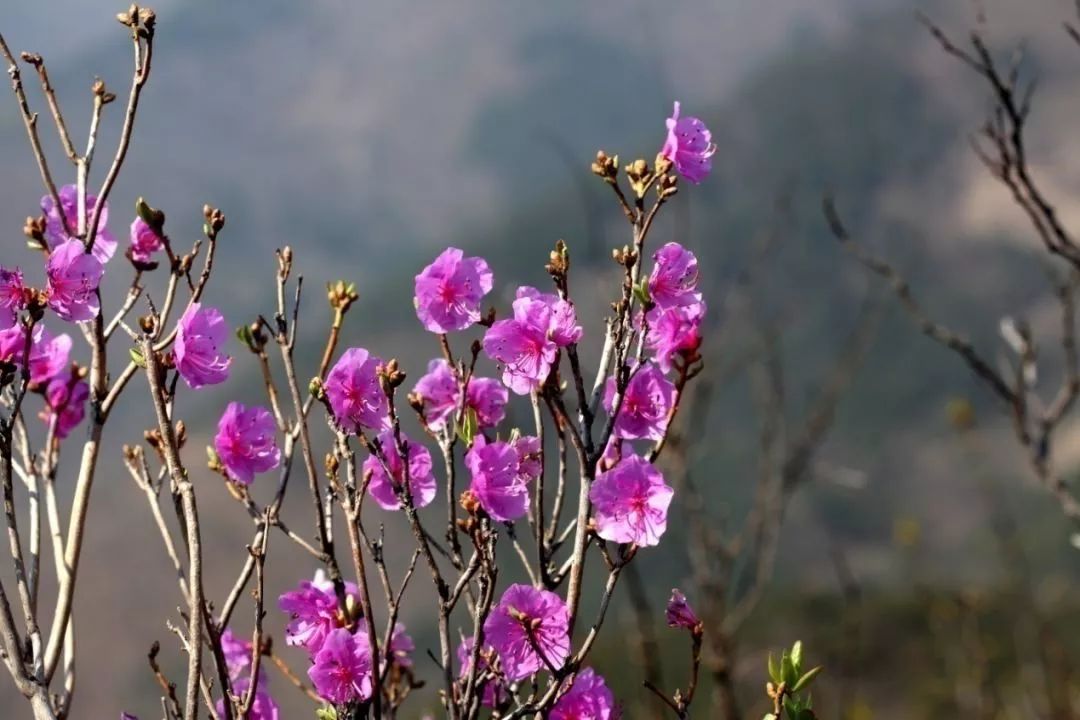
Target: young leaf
[(774, 670), (787, 671), (806, 679), (796, 656)]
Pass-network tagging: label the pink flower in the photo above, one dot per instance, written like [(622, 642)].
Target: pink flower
[(449, 291), (200, 347), (421, 479), (263, 707), (495, 692), (679, 613), (646, 406), (237, 652), (245, 442), (529, 630), (314, 613), (144, 241), (341, 671), (528, 451), (441, 394), (12, 343), (630, 502), (497, 479), (589, 698), (400, 647), (73, 278), (65, 400), (48, 354), (352, 386), (674, 331), (12, 290), (689, 146), (674, 277), (523, 345), (104, 244), (563, 328)]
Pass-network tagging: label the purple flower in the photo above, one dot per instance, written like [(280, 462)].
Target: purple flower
[(401, 645), (12, 342), (441, 394), (497, 479), (104, 244), (48, 354), (495, 693), (674, 277), (237, 652), (313, 609), (341, 671), (646, 406), (12, 290), (200, 347), (421, 479), (144, 241), (65, 401), (263, 707), (630, 502), (673, 331), (523, 345), (73, 278), (449, 291), (528, 451), (589, 698), (529, 630), (563, 328), (689, 146), (352, 386), (679, 613), (245, 442)]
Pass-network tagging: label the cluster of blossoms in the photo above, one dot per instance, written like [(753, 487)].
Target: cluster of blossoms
[(528, 630), (337, 644), (72, 277)]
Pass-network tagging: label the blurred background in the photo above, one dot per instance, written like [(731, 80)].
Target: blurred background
[(917, 559)]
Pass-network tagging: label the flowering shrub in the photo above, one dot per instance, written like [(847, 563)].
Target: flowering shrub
[(581, 480)]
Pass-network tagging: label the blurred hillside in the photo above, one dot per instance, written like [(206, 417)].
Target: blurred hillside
[(367, 137)]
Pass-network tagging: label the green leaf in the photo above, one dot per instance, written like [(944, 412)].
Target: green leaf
[(806, 714), (467, 428), (641, 292), (151, 216), (774, 670), (806, 679), (770, 716), (137, 357), (787, 671), (244, 335), (796, 656), (326, 713)]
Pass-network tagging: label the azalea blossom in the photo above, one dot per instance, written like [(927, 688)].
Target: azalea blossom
[(674, 277), (646, 405), (73, 278), (352, 387), (689, 146), (440, 393), (144, 241), (673, 332), (313, 611), (341, 669), (65, 401), (494, 690), (679, 613), (449, 291), (497, 479), (384, 489), (589, 698), (529, 629), (523, 345), (245, 442), (56, 235), (630, 502), (199, 350)]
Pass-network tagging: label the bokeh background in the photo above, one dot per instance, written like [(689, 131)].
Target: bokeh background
[(368, 136)]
